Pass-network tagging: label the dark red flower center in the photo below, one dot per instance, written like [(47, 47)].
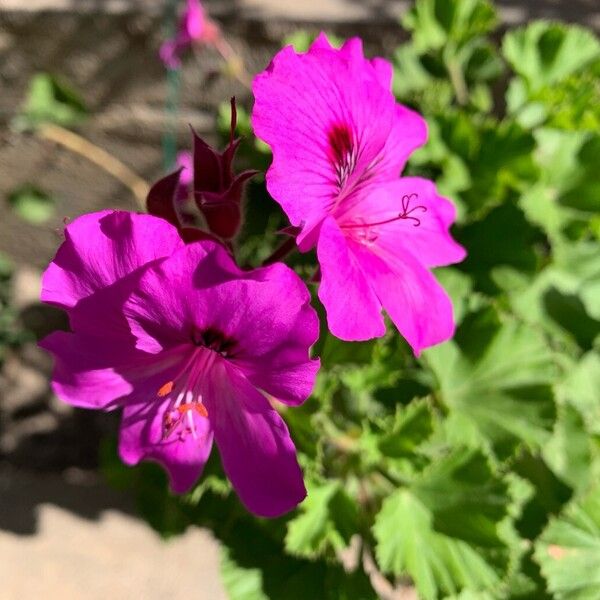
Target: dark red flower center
[(343, 153)]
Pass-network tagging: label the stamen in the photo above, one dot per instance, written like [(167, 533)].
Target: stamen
[(165, 389), (404, 215), (197, 406), (175, 416)]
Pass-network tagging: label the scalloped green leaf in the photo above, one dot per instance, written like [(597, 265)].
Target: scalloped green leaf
[(544, 53), (496, 380), (412, 425), (444, 532), (435, 23), (568, 551), (257, 569), (328, 518)]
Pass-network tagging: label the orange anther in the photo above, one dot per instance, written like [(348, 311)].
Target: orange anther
[(201, 409), (166, 389), (197, 406)]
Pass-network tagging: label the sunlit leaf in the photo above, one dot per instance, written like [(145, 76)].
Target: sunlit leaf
[(444, 533), (569, 551), (496, 382), (543, 53)]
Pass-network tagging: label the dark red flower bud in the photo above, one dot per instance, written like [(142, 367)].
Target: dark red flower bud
[(162, 201), (217, 191)]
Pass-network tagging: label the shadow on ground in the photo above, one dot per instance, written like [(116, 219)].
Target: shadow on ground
[(48, 450)]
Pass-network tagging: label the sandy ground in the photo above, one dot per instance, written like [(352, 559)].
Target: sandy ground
[(82, 542)]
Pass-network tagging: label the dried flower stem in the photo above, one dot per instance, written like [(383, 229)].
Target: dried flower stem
[(113, 166), (234, 61)]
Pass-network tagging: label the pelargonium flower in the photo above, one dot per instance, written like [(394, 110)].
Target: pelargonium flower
[(339, 142), (193, 26), (191, 347)]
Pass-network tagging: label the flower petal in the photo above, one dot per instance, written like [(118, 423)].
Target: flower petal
[(285, 372), (315, 110), (256, 450), (142, 438), (353, 309), (410, 294), (102, 247), (199, 289), (93, 372), (424, 231)]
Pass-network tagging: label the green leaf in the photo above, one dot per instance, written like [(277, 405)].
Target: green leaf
[(334, 351), (435, 23), (569, 550), (32, 204), (555, 300), (50, 100), (544, 53), (254, 567), (466, 498), (412, 426), (503, 238), (496, 384), (498, 156), (580, 388), (548, 493), (328, 518), (569, 452), (444, 532)]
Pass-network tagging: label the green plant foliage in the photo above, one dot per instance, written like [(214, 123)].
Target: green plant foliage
[(32, 204), (557, 83), (469, 472), (50, 100), (448, 58), (328, 519), (545, 53), (496, 379), (445, 530), (569, 550)]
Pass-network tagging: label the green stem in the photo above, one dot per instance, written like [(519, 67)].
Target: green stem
[(458, 81)]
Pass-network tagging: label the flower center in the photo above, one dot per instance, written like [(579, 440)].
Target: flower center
[(183, 392), (343, 153)]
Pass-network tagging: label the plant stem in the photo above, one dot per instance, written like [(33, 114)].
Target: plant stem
[(458, 81), (113, 166), (234, 61)]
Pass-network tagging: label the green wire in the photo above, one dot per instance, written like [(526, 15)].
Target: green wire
[(169, 140)]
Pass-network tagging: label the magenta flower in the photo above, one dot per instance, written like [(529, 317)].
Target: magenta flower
[(194, 26), (339, 143), (190, 346)]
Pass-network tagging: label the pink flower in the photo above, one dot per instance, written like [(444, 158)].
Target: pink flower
[(190, 346), (193, 26), (339, 143)]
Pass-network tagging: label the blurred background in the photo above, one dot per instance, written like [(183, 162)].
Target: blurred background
[(93, 66)]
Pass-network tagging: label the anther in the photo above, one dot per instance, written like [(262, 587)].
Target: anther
[(165, 389)]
